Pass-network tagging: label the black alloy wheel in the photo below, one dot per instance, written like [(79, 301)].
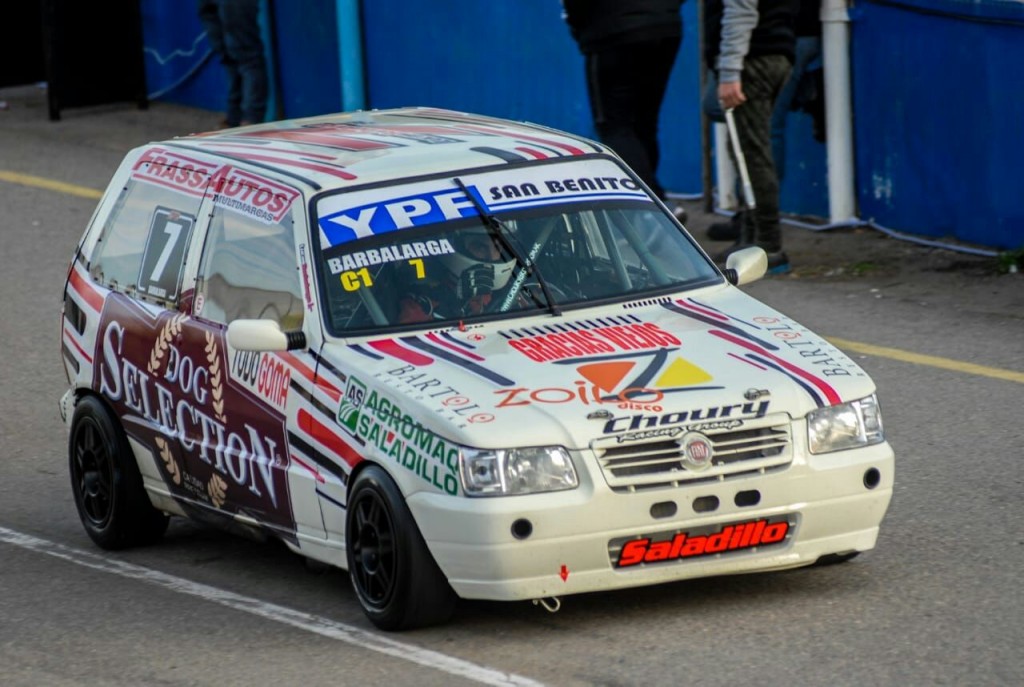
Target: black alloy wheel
[(105, 479), (395, 578)]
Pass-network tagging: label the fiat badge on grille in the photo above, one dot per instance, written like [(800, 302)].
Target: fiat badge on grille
[(697, 451)]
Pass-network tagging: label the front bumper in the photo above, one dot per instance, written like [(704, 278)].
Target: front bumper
[(834, 502)]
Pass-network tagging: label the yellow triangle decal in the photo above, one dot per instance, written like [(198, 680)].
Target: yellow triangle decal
[(681, 373)]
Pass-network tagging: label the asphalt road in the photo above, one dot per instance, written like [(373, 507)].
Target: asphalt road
[(938, 602)]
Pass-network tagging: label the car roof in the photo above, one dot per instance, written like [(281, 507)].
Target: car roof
[(352, 149)]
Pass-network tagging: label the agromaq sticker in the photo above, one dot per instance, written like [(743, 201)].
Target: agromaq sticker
[(230, 187)]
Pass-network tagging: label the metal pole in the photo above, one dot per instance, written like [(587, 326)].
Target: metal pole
[(835, 38)]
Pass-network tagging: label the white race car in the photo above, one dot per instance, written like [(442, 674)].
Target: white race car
[(456, 356)]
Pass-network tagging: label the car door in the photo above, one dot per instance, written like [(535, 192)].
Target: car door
[(236, 431)]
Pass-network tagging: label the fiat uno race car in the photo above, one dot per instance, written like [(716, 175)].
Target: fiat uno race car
[(456, 356)]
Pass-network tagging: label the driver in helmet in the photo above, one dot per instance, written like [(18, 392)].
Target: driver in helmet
[(474, 272)]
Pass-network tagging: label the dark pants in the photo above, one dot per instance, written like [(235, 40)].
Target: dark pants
[(626, 86), (233, 30), (762, 78)]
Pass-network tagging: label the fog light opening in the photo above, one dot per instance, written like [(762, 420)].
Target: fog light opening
[(751, 497), (872, 478), (664, 509), (522, 528), (705, 504)]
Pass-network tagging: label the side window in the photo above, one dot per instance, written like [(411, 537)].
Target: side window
[(249, 271), (142, 247)]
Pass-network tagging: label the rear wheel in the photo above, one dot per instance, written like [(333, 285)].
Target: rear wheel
[(395, 578), (105, 479)]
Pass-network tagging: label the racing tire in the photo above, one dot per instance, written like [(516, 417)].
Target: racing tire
[(395, 578), (112, 503)]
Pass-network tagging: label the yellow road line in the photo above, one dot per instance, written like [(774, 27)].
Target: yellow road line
[(50, 184), (930, 360)]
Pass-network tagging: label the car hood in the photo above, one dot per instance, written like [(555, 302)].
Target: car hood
[(711, 360)]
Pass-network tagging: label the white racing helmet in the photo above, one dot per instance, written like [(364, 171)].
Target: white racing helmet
[(476, 275)]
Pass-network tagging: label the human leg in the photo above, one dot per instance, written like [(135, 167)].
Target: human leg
[(244, 43), (615, 89), (762, 78), (210, 17), (808, 49)]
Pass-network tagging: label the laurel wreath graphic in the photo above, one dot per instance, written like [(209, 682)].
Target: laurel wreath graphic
[(217, 489), (216, 378), (170, 330), (169, 462)]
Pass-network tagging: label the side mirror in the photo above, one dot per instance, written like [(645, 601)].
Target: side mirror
[(263, 335), (745, 266)]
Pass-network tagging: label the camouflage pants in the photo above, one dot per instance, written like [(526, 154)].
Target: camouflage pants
[(762, 78)]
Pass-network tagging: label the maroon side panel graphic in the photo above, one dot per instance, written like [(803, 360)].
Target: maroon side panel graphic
[(166, 375)]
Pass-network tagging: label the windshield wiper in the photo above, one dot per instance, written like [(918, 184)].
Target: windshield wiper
[(497, 229)]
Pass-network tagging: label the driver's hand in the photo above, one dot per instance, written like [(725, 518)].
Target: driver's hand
[(476, 281)]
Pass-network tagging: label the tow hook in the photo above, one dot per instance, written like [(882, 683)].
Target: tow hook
[(551, 604)]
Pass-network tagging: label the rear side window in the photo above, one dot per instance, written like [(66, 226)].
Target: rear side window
[(249, 271), (141, 250)]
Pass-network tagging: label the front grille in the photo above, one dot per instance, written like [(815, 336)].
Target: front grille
[(757, 446)]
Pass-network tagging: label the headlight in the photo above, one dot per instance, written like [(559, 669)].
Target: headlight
[(516, 471), (848, 425)]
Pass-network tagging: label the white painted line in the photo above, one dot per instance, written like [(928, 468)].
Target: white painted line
[(304, 621)]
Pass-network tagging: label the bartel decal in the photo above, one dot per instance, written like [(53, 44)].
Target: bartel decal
[(420, 386)]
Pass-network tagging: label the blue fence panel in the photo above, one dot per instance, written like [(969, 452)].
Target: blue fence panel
[(180, 67), (301, 44), (514, 59), (937, 94)]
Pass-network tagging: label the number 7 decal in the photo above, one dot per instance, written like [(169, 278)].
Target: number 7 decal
[(164, 255)]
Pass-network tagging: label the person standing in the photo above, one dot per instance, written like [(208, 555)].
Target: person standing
[(751, 46), (233, 30), (629, 47)]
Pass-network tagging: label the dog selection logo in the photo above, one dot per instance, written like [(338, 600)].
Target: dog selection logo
[(697, 451)]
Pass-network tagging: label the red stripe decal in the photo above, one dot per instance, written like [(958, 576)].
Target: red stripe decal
[(748, 361), (535, 154), (702, 311), (461, 351), (325, 436), (572, 150), (70, 337), (83, 289), (392, 348), (301, 165), (310, 468), (830, 393)]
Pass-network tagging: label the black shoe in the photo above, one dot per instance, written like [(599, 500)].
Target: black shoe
[(728, 230), (778, 263)]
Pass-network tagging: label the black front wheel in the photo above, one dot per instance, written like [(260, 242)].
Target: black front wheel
[(395, 578), (106, 482)]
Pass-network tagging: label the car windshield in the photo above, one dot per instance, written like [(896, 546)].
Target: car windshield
[(454, 251)]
